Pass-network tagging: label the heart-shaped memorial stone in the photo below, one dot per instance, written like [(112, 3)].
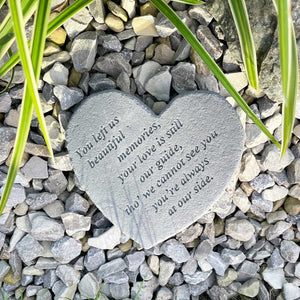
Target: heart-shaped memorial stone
[(150, 175)]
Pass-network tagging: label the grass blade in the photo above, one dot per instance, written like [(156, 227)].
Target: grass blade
[(54, 24), (7, 36), (191, 2), (289, 69), (33, 70), (11, 76), (192, 40), (1, 3), (241, 19)]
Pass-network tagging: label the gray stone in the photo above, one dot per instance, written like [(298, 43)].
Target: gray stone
[(16, 196), (35, 168), (159, 84), (97, 166), (113, 64), (291, 291), (266, 107), (107, 240), (271, 158), (166, 269), (56, 183), (55, 135), (229, 276), (7, 135), (261, 182), (274, 277), (110, 42), (5, 102), (78, 23), (200, 13), (123, 82), (77, 204), (293, 171), (250, 288), (259, 202), (232, 257), (275, 261), (119, 291), (89, 286), (29, 249), (68, 275), (97, 10), (217, 263), (117, 278), (112, 267), (62, 56), (229, 62), (249, 167), (99, 83), (183, 75), (43, 294), (183, 51), (164, 55), (57, 75), (247, 270), (134, 260), (66, 249), (39, 200), (4, 268), (164, 294), (197, 277), (67, 97), (209, 41), (275, 193), (277, 229), (289, 251), (241, 230), (94, 259), (175, 250), (46, 229), (75, 223), (276, 216)]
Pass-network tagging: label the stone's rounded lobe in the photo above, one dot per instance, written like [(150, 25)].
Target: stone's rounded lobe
[(153, 176)]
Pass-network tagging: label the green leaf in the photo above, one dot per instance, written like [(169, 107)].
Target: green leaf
[(1, 3), (192, 40), (191, 2), (53, 25), (289, 67), (32, 73), (11, 76), (240, 16), (7, 36)]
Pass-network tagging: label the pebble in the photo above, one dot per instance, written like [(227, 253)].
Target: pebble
[(275, 261), (241, 230), (276, 216), (57, 75), (200, 14), (277, 229), (76, 204), (94, 259), (68, 275), (271, 158), (291, 291), (262, 182), (175, 250), (55, 135), (289, 250), (292, 206), (5, 102), (217, 262), (247, 270), (16, 196), (274, 277), (113, 64), (159, 85), (107, 240), (209, 41), (129, 6), (144, 25), (4, 268), (7, 134), (110, 42), (275, 193), (29, 249), (89, 286), (46, 229), (249, 167), (241, 200), (134, 260), (35, 168), (197, 277), (163, 54), (75, 223), (166, 269), (293, 171), (250, 288), (66, 249), (229, 276), (114, 23), (183, 75), (67, 97), (43, 294), (112, 267), (190, 234)]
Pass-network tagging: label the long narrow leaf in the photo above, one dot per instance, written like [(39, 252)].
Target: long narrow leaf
[(11, 76), (290, 99), (7, 36), (192, 40), (38, 45), (53, 25), (1, 3), (240, 16), (191, 2)]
